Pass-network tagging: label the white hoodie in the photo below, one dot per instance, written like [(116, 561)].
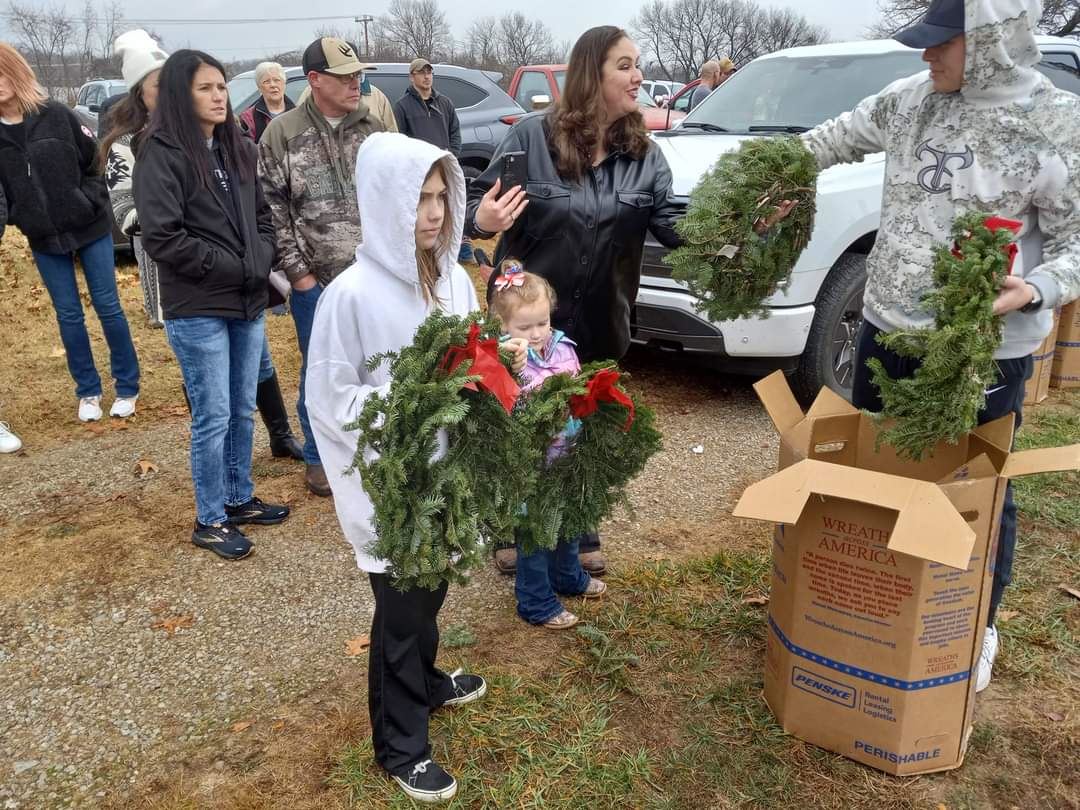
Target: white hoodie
[(376, 306), (1007, 143)]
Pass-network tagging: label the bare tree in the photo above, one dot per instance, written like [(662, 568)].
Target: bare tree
[(523, 41), (482, 43), (679, 35), (1060, 17), (416, 27), (47, 36)]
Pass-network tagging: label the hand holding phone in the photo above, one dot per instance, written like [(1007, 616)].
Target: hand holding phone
[(514, 171)]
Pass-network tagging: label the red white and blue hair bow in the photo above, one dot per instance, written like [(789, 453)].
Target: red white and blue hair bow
[(512, 276)]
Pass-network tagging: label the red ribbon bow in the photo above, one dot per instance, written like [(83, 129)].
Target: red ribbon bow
[(601, 388), (994, 224), (484, 355)]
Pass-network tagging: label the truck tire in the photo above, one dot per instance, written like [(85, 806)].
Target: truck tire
[(829, 357)]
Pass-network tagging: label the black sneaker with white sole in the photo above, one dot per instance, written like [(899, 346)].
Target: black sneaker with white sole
[(224, 540), (467, 688), (256, 511), (426, 782)]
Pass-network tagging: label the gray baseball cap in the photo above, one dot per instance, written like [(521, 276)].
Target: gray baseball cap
[(943, 21)]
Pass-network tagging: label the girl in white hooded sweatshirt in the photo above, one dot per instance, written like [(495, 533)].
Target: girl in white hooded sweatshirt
[(411, 199)]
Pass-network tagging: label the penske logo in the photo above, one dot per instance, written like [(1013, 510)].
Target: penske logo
[(823, 687)]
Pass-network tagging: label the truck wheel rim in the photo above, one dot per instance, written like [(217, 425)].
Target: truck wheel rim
[(843, 341)]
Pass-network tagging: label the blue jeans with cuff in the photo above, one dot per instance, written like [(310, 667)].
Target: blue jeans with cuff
[(542, 575), (99, 267), (1005, 396), (219, 358), (302, 305)]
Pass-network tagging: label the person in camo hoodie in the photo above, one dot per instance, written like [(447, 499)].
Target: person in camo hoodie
[(981, 131), (307, 157)]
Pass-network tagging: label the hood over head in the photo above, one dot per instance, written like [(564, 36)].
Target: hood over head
[(1001, 53), (390, 171)]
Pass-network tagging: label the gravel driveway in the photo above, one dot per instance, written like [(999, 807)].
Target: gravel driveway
[(122, 648)]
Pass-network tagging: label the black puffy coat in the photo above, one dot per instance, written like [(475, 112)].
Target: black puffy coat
[(56, 196), (586, 238), (213, 261)]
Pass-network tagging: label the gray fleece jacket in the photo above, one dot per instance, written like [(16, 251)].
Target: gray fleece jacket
[(1008, 143)]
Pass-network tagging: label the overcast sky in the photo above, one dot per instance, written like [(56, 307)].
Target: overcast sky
[(845, 19)]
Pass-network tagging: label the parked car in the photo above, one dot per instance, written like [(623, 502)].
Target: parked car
[(815, 317), (484, 111), (660, 90), (92, 96), (680, 101), (536, 86)]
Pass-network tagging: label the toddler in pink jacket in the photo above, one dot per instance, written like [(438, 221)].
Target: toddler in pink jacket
[(524, 302)]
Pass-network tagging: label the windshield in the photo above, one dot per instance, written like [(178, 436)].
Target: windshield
[(644, 99), (560, 79), (801, 91), (241, 88)]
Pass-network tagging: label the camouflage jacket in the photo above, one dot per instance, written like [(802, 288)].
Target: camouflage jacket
[(306, 170)]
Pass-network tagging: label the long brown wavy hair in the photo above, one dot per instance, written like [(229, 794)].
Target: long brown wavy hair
[(580, 112)]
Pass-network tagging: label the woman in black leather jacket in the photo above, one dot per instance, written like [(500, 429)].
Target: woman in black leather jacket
[(596, 184)]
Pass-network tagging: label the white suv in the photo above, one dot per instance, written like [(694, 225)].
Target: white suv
[(814, 318)]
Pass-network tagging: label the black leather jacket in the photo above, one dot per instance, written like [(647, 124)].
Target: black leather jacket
[(586, 238)]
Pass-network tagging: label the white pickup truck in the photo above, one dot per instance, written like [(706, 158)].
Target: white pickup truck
[(814, 318)]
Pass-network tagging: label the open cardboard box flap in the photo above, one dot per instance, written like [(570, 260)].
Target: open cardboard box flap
[(927, 525), (1048, 459)]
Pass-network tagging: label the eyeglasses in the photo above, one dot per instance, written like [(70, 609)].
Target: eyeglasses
[(350, 78)]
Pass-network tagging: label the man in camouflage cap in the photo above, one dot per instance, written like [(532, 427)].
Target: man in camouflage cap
[(307, 159)]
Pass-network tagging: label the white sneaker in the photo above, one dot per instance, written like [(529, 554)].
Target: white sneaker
[(123, 407), (985, 666), (9, 442), (89, 409)]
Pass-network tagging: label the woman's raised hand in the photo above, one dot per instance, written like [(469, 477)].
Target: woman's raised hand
[(497, 214)]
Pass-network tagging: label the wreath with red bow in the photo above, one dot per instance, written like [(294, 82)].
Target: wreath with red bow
[(615, 437)]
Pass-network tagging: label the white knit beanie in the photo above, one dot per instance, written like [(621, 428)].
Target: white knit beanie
[(140, 55)]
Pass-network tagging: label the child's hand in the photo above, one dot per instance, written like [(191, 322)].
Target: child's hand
[(519, 347)]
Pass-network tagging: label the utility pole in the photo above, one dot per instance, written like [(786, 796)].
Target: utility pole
[(364, 20)]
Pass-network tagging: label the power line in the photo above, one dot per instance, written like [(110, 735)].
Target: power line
[(215, 21)]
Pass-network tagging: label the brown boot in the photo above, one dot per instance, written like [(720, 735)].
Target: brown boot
[(506, 560), (315, 478), (593, 562)]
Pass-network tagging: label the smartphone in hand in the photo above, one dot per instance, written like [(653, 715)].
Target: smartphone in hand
[(514, 171)]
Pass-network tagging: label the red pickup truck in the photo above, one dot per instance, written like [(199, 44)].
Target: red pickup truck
[(535, 86)]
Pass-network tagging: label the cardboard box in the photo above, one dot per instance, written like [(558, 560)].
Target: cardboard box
[(1038, 386), (1066, 367), (881, 579)]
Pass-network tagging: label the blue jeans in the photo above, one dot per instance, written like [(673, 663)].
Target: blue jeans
[(266, 362), (1008, 396), (542, 575), (302, 306), (58, 272), (219, 358)]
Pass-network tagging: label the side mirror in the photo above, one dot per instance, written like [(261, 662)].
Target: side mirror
[(94, 108), (539, 102)]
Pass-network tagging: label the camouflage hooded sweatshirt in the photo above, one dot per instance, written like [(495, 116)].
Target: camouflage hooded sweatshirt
[(306, 171), (1007, 143)]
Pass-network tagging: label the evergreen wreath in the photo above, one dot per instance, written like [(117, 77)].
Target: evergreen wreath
[(726, 264), (429, 516), (577, 490), (942, 400)]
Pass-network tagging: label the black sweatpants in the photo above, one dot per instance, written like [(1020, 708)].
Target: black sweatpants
[(404, 684), (1006, 395)]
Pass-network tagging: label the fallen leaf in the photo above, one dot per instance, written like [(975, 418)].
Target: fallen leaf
[(57, 352), (243, 725), (1057, 717), (756, 600), (357, 646), (1006, 615), (277, 725), (1071, 591), (173, 623), (144, 467), (96, 428)]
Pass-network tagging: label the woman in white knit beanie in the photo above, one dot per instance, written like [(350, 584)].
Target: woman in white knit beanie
[(141, 61)]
